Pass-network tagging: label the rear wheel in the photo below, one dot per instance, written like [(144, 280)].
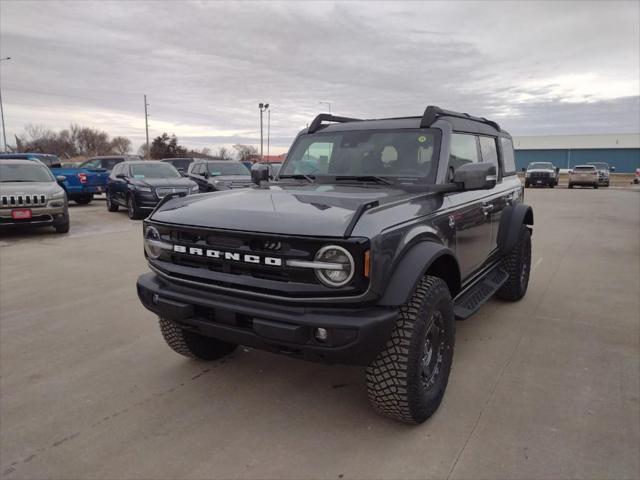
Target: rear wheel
[(518, 265), (409, 377), (193, 345), (83, 199)]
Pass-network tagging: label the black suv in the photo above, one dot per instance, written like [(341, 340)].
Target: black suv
[(139, 186), (372, 239), (541, 174), (214, 175)]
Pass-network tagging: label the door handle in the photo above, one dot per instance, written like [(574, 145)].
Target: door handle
[(487, 208)]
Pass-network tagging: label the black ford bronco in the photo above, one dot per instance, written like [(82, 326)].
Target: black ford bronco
[(372, 239)]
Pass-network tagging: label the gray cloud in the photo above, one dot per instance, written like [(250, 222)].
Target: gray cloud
[(537, 67)]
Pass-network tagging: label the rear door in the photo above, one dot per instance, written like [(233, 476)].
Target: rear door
[(471, 214)]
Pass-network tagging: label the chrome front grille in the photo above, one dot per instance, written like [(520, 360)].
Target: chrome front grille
[(164, 191), (23, 200)]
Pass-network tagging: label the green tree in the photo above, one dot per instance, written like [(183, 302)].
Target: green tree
[(165, 146)]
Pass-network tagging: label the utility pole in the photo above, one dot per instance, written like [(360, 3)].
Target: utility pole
[(268, 134), (4, 130), (146, 126)]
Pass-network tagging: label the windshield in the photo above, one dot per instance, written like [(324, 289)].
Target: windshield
[(227, 168), (153, 170), (541, 166), (585, 168), (379, 153), (34, 172), (182, 163)]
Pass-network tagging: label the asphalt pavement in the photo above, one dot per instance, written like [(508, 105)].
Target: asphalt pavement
[(544, 388)]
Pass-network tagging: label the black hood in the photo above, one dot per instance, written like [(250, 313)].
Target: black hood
[(164, 182), (317, 210)]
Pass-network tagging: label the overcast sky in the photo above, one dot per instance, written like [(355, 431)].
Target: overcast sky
[(537, 68)]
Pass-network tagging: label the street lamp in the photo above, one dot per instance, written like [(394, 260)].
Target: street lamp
[(262, 107), (4, 130), (328, 104)]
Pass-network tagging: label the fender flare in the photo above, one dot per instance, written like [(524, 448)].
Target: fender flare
[(411, 268), (512, 217)]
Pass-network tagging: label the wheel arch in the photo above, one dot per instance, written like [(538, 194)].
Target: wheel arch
[(513, 216), (424, 258)]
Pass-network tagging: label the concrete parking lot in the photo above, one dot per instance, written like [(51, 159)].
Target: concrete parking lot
[(544, 388)]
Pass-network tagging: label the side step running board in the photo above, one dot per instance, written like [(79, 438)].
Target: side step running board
[(473, 298)]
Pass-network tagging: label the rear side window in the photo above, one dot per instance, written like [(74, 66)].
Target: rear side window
[(508, 158), (489, 151)]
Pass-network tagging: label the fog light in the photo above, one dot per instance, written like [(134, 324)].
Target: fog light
[(321, 334)]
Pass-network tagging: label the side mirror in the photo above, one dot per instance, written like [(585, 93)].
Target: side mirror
[(557, 169), (475, 176), (524, 169), (61, 178), (121, 176), (204, 174), (259, 173)]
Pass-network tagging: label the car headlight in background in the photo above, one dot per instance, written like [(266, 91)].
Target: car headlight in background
[(153, 243), (339, 267)]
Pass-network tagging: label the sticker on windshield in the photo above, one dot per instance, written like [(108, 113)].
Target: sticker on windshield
[(422, 139)]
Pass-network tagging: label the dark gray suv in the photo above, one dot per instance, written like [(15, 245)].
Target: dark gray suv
[(372, 239)]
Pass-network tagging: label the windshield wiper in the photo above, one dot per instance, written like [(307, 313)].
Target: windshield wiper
[(364, 178), (300, 176)]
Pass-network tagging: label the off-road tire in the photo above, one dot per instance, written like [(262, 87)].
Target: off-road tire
[(595, 186), (551, 185), (132, 209), (83, 199), (518, 265), (193, 345), (395, 382), (111, 205)]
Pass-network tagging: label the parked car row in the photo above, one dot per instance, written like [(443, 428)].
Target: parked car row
[(545, 174)]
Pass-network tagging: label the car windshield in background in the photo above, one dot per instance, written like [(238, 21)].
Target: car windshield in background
[(380, 153), (541, 166), (227, 168), (24, 173), (153, 170), (590, 168), (183, 164)]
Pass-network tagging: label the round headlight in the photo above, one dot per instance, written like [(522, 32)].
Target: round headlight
[(153, 243), (339, 267)]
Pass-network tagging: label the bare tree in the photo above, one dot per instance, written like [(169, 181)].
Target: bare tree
[(121, 145), (224, 153), (246, 152)]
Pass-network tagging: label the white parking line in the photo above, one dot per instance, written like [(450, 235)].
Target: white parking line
[(536, 265)]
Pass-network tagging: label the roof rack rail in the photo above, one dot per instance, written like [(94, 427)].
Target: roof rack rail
[(327, 117), (432, 113)]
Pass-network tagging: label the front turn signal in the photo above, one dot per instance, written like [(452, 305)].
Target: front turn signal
[(367, 263)]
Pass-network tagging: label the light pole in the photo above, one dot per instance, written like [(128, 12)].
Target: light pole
[(146, 126), (4, 130), (262, 107), (268, 134), (328, 104)]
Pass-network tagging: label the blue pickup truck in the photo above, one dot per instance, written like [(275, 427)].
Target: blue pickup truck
[(80, 183)]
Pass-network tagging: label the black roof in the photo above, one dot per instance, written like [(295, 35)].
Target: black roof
[(462, 122)]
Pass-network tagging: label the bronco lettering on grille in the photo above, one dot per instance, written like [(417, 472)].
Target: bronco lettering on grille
[(234, 256)]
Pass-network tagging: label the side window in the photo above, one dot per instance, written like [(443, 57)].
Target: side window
[(464, 149), (508, 159), (489, 152)]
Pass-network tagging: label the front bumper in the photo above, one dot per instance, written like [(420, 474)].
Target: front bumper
[(355, 336), (41, 217)]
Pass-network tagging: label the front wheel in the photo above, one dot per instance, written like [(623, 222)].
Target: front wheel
[(132, 208), (595, 185), (409, 377), (63, 227), (571, 185), (111, 205), (517, 264), (193, 345)]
